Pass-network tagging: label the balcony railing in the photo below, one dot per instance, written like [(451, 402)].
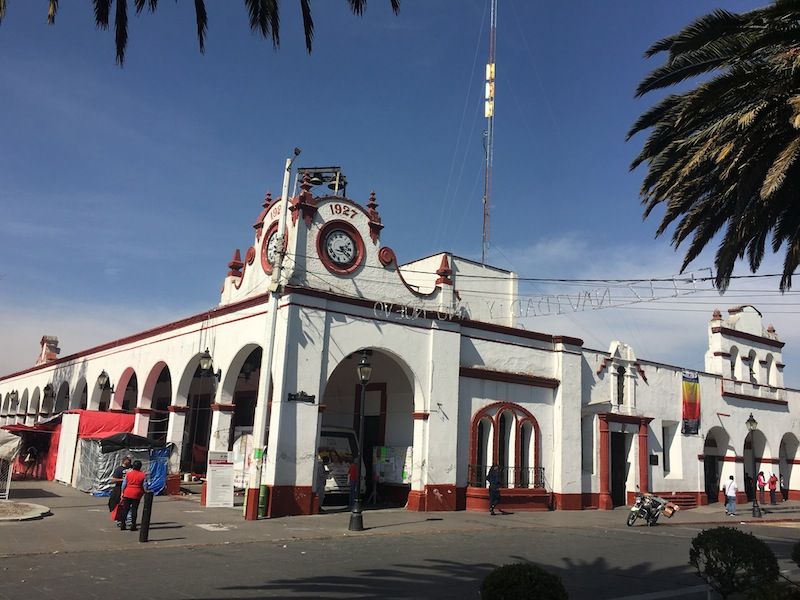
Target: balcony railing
[(510, 477)]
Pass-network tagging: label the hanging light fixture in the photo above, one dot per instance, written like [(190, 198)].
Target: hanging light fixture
[(206, 362), (102, 379), (364, 370)]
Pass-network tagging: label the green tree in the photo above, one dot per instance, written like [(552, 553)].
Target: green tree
[(264, 18), (723, 155)]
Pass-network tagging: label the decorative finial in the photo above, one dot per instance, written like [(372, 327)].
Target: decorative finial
[(717, 315), (372, 204), (305, 185), (267, 200), (235, 265), (771, 328)]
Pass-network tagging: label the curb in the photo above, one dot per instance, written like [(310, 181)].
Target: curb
[(34, 511)]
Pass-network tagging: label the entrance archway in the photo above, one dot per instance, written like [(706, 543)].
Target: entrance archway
[(388, 427), (62, 399), (715, 449), (197, 426), (160, 397), (788, 454)]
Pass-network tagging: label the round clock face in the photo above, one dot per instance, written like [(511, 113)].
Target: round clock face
[(272, 247), (340, 247)]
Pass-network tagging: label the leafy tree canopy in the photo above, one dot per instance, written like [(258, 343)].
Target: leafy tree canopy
[(722, 156), (264, 18)]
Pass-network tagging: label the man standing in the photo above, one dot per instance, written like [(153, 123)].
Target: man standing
[(493, 479), (116, 477), (730, 497), (352, 479)]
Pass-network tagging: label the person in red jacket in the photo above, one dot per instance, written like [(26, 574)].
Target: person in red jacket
[(132, 494), (773, 486)]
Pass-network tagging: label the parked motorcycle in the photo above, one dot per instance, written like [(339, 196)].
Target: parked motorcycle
[(649, 508)]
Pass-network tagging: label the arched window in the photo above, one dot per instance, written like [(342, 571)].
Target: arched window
[(506, 435), (733, 359), (772, 371), (620, 385), (752, 366)]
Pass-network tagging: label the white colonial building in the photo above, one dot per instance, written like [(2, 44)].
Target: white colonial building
[(454, 378)]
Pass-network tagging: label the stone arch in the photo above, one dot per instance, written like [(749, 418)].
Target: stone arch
[(788, 454), (156, 399), (80, 395), (735, 363), (22, 409), (33, 407), (757, 442), (126, 392), (194, 395), (719, 457), (62, 398), (238, 396), (389, 408), (772, 371)]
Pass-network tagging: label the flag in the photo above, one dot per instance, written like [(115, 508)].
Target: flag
[(691, 403)]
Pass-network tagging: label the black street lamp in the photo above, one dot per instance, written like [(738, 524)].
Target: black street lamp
[(752, 425), (364, 370)]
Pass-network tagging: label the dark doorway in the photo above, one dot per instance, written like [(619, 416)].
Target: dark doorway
[(618, 469), (372, 426), (197, 427), (712, 478)]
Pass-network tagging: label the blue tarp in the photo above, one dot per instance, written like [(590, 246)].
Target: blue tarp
[(159, 467)]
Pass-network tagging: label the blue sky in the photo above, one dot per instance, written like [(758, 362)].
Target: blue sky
[(125, 191)]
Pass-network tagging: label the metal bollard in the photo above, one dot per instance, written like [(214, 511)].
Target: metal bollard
[(144, 526)]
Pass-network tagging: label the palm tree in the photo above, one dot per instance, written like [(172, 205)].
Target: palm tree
[(722, 157), (264, 18)]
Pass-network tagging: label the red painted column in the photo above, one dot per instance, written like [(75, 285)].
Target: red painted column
[(604, 500), (644, 467)]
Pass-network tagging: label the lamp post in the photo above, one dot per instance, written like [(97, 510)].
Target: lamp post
[(752, 425), (364, 370)]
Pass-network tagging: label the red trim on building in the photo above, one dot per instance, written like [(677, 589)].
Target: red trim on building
[(434, 497), (750, 398), (518, 378), (747, 336), (223, 407), (420, 416), (518, 499), (289, 500), (348, 228), (178, 409), (605, 501)]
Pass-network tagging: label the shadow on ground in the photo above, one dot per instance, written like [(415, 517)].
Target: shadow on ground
[(449, 579)]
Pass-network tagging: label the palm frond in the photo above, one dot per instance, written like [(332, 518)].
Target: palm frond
[(2, 10), (201, 18), (121, 30), (52, 9), (102, 10), (357, 6), (777, 173), (308, 23)]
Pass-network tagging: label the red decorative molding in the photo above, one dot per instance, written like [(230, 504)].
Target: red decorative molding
[(386, 256), (420, 416), (434, 497), (250, 256), (723, 354), (305, 204), (754, 398), (223, 407), (375, 225), (444, 272), (178, 409), (265, 264), (640, 370), (236, 264), (358, 260), (747, 336), (567, 501), (143, 411), (733, 459), (259, 224), (603, 364), (321, 408), (519, 378), (517, 499), (289, 500)]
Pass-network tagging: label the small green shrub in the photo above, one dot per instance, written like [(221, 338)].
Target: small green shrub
[(522, 581), (733, 561), (796, 554), (780, 590)]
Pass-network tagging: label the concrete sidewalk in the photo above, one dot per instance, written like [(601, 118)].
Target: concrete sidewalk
[(80, 522)]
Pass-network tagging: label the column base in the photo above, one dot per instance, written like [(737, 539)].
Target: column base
[(434, 497)]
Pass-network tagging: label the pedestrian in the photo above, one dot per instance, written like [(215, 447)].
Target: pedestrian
[(773, 485), (730, 497), (376, 476), (748, 486), (493, 479), (352, 480), (31, 463), (762, 483), (117, 477), (132, 494), (784, 490)]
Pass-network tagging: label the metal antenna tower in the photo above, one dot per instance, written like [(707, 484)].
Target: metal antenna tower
[(488, 110)]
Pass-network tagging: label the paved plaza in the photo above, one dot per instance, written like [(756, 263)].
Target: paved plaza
[(197, 552)]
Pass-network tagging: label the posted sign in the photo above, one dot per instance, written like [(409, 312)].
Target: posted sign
[(219, 479)]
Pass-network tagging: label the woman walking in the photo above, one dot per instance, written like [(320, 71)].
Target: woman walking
[(493, 478), (132, 494)]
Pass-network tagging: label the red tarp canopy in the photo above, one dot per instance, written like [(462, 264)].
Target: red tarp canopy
[(95, 424)]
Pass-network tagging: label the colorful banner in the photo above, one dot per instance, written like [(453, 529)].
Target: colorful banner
[(691, 403)]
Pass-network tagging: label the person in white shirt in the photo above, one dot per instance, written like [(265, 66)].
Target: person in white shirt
[(730, 497)]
